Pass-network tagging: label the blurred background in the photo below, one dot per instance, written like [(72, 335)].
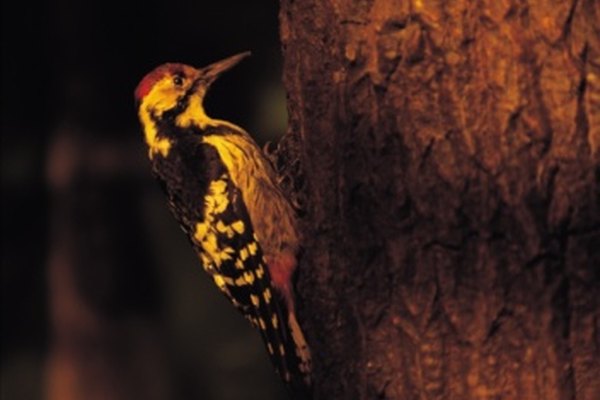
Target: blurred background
[(102, 297)]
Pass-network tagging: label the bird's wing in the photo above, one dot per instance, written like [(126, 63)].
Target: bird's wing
[(231, 253)]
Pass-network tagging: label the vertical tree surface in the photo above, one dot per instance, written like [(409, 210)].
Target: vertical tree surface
[(451, 156)]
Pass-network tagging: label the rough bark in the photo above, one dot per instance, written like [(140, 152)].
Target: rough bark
[(451, 158)]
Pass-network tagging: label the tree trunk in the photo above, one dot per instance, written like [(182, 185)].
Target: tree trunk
[(451, 155)]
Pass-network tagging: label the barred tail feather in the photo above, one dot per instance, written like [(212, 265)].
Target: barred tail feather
[(286, 347)]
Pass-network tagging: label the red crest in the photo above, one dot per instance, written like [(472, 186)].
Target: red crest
[(146, 84)]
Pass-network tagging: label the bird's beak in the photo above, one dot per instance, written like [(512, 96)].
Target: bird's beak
[(210, 73)]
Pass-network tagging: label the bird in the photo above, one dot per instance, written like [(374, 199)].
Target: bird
[(223, 191)]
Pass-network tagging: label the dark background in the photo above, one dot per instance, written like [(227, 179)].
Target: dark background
[(102, 297)]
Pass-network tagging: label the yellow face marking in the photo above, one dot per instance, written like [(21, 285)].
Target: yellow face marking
[(243, 254), (267, 295), (155, 144), (163, 96), (255, 300), (261, 323), (195, 114), (274, 321)]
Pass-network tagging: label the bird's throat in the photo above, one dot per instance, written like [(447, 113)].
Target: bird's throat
[(156, 144), (194, 114)]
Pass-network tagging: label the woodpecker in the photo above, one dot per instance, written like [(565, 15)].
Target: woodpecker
[(224, 194)]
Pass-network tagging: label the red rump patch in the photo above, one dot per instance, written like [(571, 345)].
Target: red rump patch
[(281, 269), (144, 87)]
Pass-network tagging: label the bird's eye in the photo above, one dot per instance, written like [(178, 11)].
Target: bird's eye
[(178, 80)]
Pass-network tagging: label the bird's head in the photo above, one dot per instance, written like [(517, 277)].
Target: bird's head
[(171, 86), (174, 93)]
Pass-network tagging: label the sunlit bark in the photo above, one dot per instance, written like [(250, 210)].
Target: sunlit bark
[(451, 157)]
